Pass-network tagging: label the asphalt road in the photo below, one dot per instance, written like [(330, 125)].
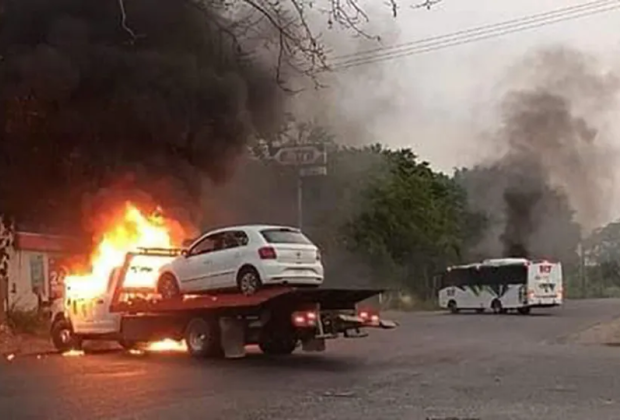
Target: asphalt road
[(433, 366)]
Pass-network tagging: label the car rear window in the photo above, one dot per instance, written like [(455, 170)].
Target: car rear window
[(284, 236)]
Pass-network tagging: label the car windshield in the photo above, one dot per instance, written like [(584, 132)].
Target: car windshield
[(284, 236)]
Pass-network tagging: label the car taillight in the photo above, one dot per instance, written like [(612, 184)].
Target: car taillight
[(304, 319), (267, 253), (368, 316)]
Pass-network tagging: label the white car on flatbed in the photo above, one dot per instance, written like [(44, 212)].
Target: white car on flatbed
[(244, 258)]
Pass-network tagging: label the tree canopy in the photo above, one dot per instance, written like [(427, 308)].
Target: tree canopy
[(412, 221)]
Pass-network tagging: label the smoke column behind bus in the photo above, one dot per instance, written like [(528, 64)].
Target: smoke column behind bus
[(555, 126)]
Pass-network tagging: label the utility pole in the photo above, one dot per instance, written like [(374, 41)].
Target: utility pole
[(582, 270)]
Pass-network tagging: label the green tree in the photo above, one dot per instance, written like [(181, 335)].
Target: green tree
[(602, 255), (413, 221)]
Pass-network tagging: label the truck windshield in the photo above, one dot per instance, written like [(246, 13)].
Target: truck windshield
[(284, 236)]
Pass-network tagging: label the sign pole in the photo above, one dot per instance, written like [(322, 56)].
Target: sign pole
[(308, 160), (300, 200)]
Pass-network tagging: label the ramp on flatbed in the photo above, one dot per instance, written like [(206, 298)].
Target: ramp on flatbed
[(277, 296)]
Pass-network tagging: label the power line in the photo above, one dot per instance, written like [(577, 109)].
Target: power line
[(474, 35), (498, 25)]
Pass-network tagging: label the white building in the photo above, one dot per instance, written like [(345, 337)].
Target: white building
[(36, 268)]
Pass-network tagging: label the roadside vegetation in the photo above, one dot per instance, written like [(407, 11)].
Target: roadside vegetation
[(386, 218), (27, 321)]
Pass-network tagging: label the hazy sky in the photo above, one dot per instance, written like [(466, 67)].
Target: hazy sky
[(441, 103)]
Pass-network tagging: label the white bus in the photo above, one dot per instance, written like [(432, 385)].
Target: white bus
[(501, 285)]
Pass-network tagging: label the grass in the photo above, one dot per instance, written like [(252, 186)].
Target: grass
[(27, 321)]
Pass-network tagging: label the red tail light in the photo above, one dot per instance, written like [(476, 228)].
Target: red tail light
[(267, 253), (368, 316), (304, 319)]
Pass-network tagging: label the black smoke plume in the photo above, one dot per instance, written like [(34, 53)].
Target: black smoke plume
[(555, 170), (145, 94)]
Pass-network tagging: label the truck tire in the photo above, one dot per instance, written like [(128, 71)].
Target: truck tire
[(277, 341), (168, 287), (248, 281), (63, 337), (202, 336)]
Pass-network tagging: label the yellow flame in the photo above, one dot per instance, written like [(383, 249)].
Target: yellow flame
[(132, 231), (167, 345), (73, 353)]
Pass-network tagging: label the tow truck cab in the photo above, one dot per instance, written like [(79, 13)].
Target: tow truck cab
[(278, 319), (80, 315)]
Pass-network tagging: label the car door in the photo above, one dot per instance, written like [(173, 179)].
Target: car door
[(197, 271), (228, 259)]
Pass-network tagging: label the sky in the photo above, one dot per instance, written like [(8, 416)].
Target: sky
[(442, 103)]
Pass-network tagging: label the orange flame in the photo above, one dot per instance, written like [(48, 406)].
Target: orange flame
[(132, 230), (167, 345)]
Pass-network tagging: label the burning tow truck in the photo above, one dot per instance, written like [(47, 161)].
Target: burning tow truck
[(126, 307)]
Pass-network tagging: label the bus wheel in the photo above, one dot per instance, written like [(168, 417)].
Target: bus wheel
[(525, 310), (480, 310), (452, 307), (497, 307)]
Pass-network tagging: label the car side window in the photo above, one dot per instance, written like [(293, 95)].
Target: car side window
[(234, 239), (209, 244)]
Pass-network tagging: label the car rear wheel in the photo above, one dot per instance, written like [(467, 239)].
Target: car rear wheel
[(248, 281), (168, 287)]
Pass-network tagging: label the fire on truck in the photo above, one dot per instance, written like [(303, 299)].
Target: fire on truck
[(278, 319), (127, 307)]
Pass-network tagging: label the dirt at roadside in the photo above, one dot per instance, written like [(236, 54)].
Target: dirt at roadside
[(13, 344), (604, 333)]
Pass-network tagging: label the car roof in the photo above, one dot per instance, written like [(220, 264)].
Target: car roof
[(247, 227)]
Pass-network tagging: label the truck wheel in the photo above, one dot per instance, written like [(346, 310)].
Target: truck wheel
[(63, 337), (248, 281), (277, 342), (202, 337), (168, 287)]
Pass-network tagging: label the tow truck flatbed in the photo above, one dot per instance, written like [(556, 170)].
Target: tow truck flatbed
[(276, 296), (277, 318)]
